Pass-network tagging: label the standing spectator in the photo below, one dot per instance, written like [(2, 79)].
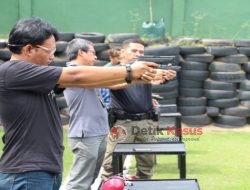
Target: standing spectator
[(114, 57), (88, 126)]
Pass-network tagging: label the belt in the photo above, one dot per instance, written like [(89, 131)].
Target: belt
[(122, 115)]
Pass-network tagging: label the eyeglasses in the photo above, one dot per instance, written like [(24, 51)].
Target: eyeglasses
[(47, 50)]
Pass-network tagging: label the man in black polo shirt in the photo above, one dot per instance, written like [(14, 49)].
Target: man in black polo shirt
[(33, 135), (132, 108)]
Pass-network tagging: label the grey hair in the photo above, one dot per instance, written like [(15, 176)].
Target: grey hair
[(74, 46)]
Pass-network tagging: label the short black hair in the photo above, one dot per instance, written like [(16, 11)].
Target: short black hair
[(33, 31), (136, 41), (76, 44)]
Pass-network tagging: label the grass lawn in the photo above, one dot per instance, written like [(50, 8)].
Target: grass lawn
[(219, 160)]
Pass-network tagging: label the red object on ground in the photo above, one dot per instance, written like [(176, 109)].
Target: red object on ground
[(113, 183)]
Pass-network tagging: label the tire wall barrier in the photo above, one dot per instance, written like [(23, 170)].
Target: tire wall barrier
[(212, 87)]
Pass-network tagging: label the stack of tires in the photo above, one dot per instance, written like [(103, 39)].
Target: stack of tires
[(169, 90), (192, 103), (244, 87), (61, 46), (221, 88)]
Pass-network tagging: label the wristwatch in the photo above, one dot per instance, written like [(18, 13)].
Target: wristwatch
[(128, 78)]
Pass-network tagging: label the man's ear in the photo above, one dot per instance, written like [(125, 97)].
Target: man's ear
[(81, 52), (27, 49)]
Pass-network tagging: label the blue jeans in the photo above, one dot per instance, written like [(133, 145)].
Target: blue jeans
[(30, 181)]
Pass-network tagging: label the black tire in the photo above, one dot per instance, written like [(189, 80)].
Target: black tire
[(167, 101), (103, 55), (219, 94), (3, 44), (61, 46), (244, 50), (204, 58), (161, 51), (190, 65), (192, 110), (121, 37), (193, 75), (94, 37), (240, 111), (228, 76), (191, 92), (246, 67), (245, 85), (65, 36), (237, 58), (217, 42), (224, 103), (172, 94), (186, 50), (5, 54), (218, 85), (224, 67), (100, 47), (169, 86), (245, 103), (242, 43), (243, 95), (228, 121), (115, 45), (192, 101), (190, 83), (59, 61), (196, 120), (221, 51), (213, 111)]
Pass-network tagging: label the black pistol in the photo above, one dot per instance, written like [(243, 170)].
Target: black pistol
[(165, 62)]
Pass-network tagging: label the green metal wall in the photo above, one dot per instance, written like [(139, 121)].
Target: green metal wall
[(217, 18), (199, 18)]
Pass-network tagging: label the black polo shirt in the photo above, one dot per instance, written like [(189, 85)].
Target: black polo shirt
[(134, 99), (30, 117)]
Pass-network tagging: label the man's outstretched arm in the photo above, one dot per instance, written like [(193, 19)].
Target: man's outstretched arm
[(86, 76)]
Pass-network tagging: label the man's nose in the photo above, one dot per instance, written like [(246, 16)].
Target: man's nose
[(51, 57)]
